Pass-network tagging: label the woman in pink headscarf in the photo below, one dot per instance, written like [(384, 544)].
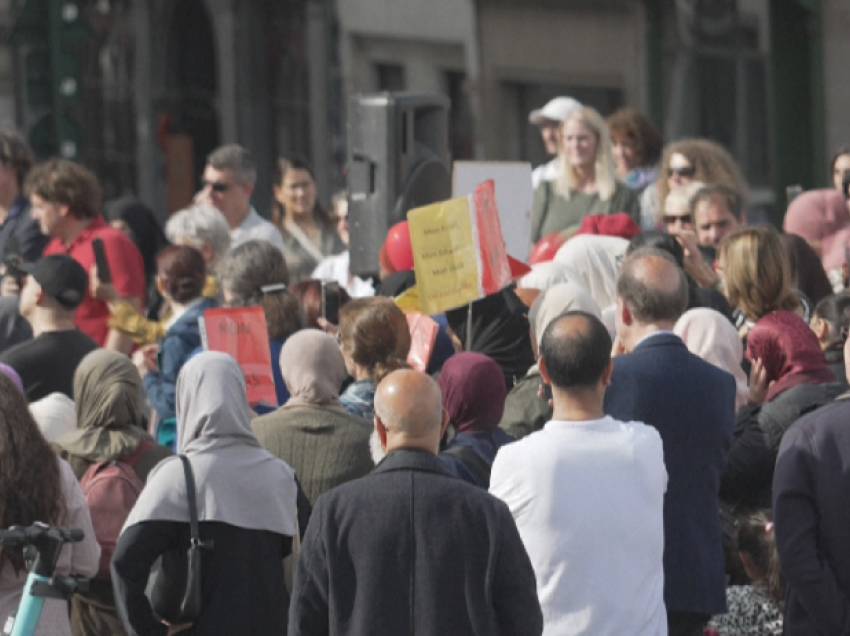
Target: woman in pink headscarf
[(789, 378), (709, 334), (823, 219)]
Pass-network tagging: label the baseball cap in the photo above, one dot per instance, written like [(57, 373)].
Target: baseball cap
[(554, 110), (61, 277)]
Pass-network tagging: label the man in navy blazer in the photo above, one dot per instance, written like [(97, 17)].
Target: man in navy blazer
[(411, 549), (691, 403)]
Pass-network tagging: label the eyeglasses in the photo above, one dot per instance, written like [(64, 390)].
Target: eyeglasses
[(670, 220), (683, 171), (216, 186)]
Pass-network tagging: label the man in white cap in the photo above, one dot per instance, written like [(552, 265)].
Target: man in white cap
[(548, 119)]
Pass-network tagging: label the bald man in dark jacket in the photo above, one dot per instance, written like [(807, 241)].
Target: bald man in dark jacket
[(410, 549)]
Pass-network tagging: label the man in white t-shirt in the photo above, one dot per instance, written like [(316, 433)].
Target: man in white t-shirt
[(229, 179), (549, 119), (587, 495)]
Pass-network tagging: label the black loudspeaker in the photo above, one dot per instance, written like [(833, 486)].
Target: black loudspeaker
[(398, 159)]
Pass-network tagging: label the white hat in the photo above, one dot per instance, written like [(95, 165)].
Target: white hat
[(555, 110)]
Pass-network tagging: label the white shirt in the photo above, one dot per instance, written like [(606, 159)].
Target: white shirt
[(336, 268), (256, 227), (588, 500), (545, 172)]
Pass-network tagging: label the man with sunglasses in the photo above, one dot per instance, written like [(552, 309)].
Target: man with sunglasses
[(228, 182)]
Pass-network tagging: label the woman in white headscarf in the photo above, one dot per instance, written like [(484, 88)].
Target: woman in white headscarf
[(55, 415), (595, 257), (710, 335), (525, 411), (544, 275), (247, 508)]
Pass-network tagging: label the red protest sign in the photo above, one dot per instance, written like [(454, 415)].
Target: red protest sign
[(242, 333)]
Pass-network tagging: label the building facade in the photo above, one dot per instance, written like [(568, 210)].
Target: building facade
[(165, 81)]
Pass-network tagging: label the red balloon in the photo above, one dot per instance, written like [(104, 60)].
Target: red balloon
[(398, 246), (546, 248)]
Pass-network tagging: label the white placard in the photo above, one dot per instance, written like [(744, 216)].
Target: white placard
[(514, 197)]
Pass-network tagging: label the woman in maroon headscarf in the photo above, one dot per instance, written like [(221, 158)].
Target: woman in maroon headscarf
[(789, 378), (474, 392)]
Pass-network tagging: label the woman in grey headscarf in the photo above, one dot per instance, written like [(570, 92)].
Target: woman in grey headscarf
[(110, 426), (312, 432), (525, 411), (246, 504)]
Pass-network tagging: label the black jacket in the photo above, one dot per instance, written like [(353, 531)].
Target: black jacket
[(242, 577), (410, 549), (811, 491), (692, 404), (746, 481)]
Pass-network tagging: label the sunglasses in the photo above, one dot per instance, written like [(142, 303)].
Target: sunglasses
[(684, 171), (670, 220), (216, 186)]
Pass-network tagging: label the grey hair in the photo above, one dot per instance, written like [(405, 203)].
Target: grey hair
[(681, 196), (237, 159), (200, 225), (249, 267)]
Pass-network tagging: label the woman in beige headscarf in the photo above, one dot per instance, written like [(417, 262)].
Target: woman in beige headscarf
[(312, 432), (110, 426), (525, 411), (710, 335)]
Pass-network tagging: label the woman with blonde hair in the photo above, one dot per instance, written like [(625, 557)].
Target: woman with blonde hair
[(756, 275), (588, 179)]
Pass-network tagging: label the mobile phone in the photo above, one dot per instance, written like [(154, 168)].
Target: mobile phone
[(104, 275), (330, 301), (547, 392)]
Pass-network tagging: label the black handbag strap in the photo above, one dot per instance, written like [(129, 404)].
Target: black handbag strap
[(193, 504)]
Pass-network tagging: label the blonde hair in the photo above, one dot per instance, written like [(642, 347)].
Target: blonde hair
[(712, 164), (604, 164), (757, 272)]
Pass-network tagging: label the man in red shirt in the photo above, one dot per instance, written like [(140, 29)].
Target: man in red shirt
[(65, 201)]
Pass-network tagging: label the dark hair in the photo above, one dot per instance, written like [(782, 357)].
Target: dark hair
[(659, 241), (374, 333), (843, 150), (30, 479), (66, 183), (731, 198), (249, 267), (756, 539), (15, 154), (645, 300), (237, 159), (807, 272), (575, 356), (637, 127), (182, 271), (309, 295), (835, 311), (281, 167)]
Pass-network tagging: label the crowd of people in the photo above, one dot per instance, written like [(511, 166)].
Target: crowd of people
[(645, 434)]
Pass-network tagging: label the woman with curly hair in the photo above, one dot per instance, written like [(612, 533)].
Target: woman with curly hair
[(703, 160), (35, 485)]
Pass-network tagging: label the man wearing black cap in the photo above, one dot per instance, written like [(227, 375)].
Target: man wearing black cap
[(54, 287)]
